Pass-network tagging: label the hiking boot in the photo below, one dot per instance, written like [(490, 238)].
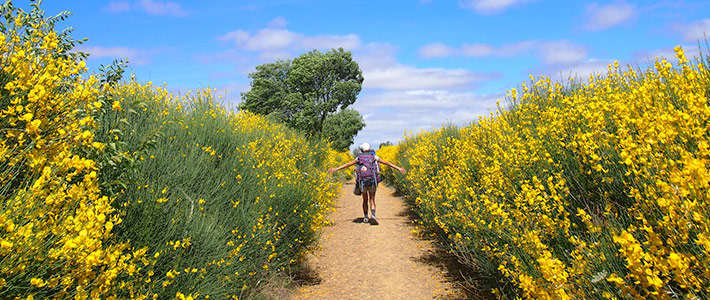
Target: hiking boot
[(373, 221), (365, 220)]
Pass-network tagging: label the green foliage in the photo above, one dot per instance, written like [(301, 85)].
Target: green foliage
[(305, 92), (116, 167), (56, 227), (591, 178), (113, 73), (384, 144), (341, 127), (228, 198), (36, 17)]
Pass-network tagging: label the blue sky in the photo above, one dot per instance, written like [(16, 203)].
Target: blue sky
[(425, 62)]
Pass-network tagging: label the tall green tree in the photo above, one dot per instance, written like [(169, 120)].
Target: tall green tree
[(341, 127), (306, 91)]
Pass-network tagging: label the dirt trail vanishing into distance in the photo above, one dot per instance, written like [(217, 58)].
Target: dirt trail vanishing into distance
[(386, 261)]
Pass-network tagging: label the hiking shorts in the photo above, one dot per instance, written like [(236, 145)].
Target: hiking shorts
[(369, 185)]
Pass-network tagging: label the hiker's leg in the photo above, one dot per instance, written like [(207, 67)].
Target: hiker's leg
[(371, 195), (364, 203)]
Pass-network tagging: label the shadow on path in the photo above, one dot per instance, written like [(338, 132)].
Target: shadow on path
[(455, 271)]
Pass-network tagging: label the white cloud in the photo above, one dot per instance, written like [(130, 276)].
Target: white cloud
[(505, 50), (274, 43), (267, 39), (377, 60), (423, 99), (134, 56), (435, 50), (376, 55), (167, 8), (489, 6), (648, 57), (472, 50), (237, 36), (550, 52), (403, 77), (602, 17), (388, 114), (697, 31), (161, 8), (512, 49), (117, 7), (477, 50), (585, 68), (395, 96), (278, 22), (348, 42), (562, 52)]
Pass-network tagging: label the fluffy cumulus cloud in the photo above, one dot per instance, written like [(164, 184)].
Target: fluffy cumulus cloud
[(275, 43), (697, 31), (513, 49), (603, 17), (435, 50), (395, 96), (489, 6), (376, 54), (562, 52), (477, 50), (549, 52), (377, 60), (646, 57), (579, 70), (389, 114), (159, 8), (504, 50), (582, 69), (403, 77), (382, 71), (278, 22)]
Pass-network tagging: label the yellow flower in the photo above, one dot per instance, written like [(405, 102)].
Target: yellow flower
[(37, 282), (33, 126)]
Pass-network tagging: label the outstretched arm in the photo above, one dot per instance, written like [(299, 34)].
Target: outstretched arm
[(401, 170), (331, 170)]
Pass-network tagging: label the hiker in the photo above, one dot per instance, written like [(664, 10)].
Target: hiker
[(367, 177)]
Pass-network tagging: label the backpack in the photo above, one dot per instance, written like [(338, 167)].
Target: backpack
[(367, 170)]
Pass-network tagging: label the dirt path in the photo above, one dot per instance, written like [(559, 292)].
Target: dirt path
[(385, 261)]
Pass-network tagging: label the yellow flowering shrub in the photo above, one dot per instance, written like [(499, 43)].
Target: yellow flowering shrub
[(592, 190), (388, 153), (220, 199), (55, 227), (114, 190), (338, 158)]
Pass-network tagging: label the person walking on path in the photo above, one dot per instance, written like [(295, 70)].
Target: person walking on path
[(367, 177)]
